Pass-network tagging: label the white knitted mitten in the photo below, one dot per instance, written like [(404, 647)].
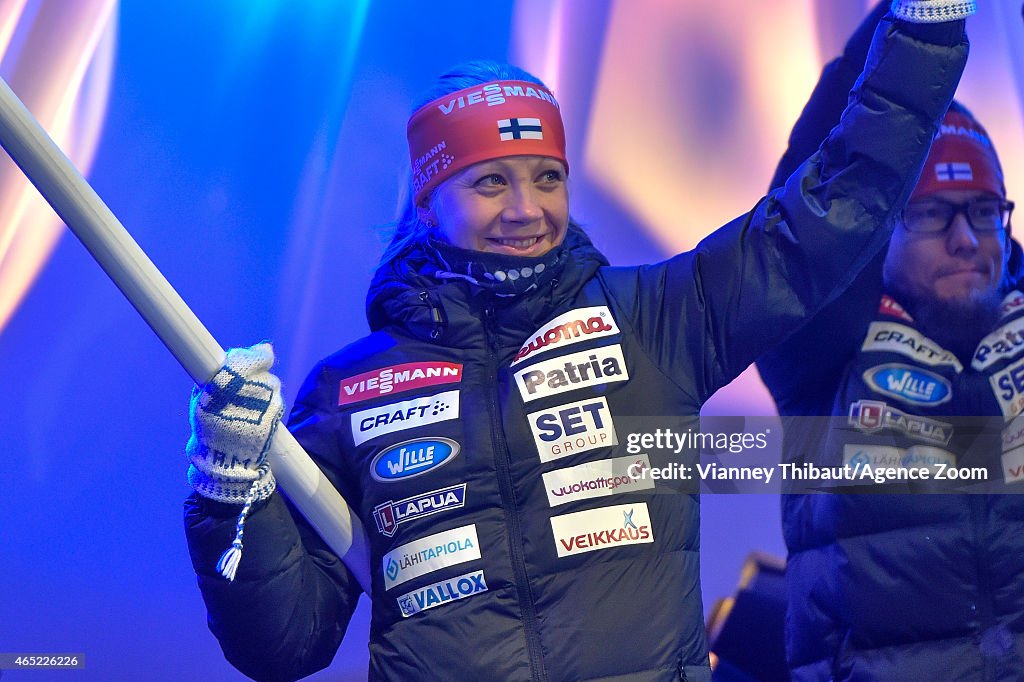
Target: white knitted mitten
[(233, 420), (932, 11)]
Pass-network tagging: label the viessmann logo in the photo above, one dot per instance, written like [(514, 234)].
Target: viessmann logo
[(569, 328), (396, 379), (603, 528)]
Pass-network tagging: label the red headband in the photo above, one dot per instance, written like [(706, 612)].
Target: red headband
[(961, 157), (488, 121)]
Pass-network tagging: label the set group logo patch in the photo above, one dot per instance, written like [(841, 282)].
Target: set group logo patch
[(413, 458), (426, 555), (442, 592), (397, 379), (389, 515), (1008, 387), (569, 328), (428, 409), (596, 479), (602, 528), (573, 428), (872, 415), (602, 365), (899, 338), (909, 384)]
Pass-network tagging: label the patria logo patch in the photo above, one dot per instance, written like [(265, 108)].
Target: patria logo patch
[(412, 458), (909, 384)]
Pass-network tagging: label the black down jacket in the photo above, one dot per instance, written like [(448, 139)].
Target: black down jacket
[(488, 561), (890, 586)]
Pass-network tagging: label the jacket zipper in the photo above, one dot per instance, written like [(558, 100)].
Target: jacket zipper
[(508, 503)]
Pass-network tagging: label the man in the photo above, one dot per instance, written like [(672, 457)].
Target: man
[(923, 586)]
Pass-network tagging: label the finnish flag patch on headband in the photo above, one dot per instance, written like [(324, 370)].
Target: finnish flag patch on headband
[(520, 129), (953, 172)]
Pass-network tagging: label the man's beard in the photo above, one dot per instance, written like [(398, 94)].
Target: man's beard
[(956, 325)]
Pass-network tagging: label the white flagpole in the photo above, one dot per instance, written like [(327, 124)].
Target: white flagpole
[(103, 235)]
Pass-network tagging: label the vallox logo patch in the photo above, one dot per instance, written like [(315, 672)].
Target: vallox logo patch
[(569, 328), (596, 479), (909, 384), (407, 414), (396, 379), (603, 365), (572, 428), (426, 555), (1008, 387), (413, 458), (443, 592), (899, 338), (389, 515), (602, 528)]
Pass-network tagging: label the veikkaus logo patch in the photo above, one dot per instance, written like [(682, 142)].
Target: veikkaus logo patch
[(596, 479), (442, 592), (429, 409), (899, 338), (569, 328), (595, 367), (389, 515), (909, 384), (397, 379), (602, 528), (872, 415), (426, 555), (573, 428), (413, 458)]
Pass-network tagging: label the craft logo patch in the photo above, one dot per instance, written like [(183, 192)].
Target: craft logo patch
[(595, 367), (443, 592), (389, 515), (396, 379), (602, 528), (909, 384), (899, 338), (569, 328), (572, 429), (597, 479), (426, 555), (407, 414)]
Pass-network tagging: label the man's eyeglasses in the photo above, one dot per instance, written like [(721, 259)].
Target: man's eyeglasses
[(932, 216)]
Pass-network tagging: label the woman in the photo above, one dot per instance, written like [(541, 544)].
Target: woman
[(505, 361)]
